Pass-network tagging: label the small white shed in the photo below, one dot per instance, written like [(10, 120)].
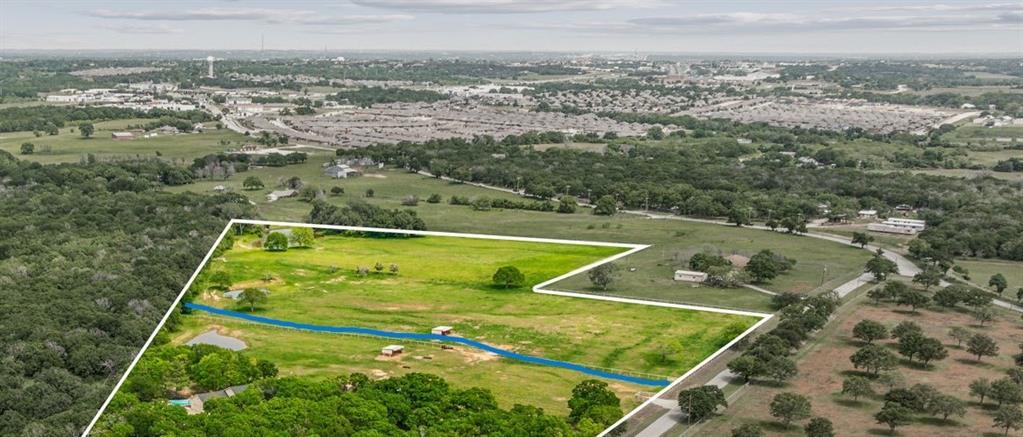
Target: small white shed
[(392, 350), (690, 276)]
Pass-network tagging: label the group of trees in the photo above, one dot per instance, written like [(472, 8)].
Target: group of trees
[(416, 403), (761, 268), (167, 369), (93, 254), (767, 358), (48, 119), (368, 96), (486, 203), (879, 362), (978, 217), (278, 241), (360, 213)]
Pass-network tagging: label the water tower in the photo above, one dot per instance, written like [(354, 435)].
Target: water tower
[(209, 60)]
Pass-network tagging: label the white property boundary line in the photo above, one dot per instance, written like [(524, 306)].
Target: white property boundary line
[(539, 288)]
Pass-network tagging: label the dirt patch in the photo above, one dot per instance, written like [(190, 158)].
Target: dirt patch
[(378, 374), (256, 283), (473, 355), (374, 175)]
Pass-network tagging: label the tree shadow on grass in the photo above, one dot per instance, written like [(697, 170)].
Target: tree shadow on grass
[(907, 312), (851, 403), (937, 421), (778, 427), (974, 362), (857, 372), (915, 365), (881, 431)]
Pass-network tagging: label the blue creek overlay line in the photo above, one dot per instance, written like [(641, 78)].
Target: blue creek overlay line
[(427, 337)]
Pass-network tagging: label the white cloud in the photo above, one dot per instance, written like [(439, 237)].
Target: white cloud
[(504, 6), (132, 29), (973, 7), (267, 16), (755, 22)]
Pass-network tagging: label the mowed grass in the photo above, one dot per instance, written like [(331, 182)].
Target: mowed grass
[(981, 270), (672, 241), (69, 146), (447, 281)]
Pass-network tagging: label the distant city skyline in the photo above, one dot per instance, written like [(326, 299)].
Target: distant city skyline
[(748, 27)]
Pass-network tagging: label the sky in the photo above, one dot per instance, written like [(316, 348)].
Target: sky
[(678, 26)]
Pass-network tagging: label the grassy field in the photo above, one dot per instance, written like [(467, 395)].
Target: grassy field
[(69, 146), (673, 241), (824, 363), (328, 355), (981, 271), (446, 281), (970, 174)]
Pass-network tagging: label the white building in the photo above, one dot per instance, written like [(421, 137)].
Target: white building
[(890, 229), (442, 330), (690, 276), (60, 98), (917, 225), (392, 350), (867, 214), (273, 196), (340, 171)]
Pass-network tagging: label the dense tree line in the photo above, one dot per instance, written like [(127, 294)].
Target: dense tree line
[(410, 405), (49, 118), (91, 256), (368, 96), (889, 74), (981, 216), (436, 71), (359, 213)]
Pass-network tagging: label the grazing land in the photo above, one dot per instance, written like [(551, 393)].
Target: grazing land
[(819, 265), (69, 146), (447, 281), (824, 363)]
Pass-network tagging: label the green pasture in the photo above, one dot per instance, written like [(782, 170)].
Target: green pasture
[(672, 241), (68, 146), (330, 355), (447, 281)]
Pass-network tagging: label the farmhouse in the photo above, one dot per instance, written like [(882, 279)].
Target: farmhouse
[(392, 350), (340, 171), (121, 136), (867, 214), (690, 276), (442, 330)]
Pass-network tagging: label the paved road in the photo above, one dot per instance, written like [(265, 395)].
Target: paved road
[(906, 267), (674, 415)]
